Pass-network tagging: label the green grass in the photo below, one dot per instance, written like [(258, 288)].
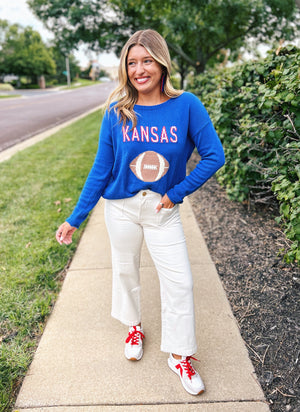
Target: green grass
[(78, 83), (32, 263), (9, 96)]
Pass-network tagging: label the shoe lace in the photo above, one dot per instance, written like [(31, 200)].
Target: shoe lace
[(134, 336), (186, 365)]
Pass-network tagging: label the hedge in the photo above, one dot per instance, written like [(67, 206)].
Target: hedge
[(255, 108)]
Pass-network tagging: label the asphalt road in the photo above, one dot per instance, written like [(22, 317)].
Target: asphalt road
[(36, 111)]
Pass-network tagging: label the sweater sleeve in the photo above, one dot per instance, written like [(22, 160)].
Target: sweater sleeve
[(208, 144), (98, 177)]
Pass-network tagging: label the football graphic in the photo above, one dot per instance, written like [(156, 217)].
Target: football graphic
[(149, 166)]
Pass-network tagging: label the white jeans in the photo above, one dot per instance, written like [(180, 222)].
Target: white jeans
[(128, 221)]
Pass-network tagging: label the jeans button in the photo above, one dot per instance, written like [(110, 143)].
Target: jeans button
[(144, 193)]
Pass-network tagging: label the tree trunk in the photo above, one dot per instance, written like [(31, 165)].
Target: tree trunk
[(200, 66), (183, 71), (42, 82), (182, 77)]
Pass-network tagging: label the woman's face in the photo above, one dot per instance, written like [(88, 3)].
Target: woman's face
[(143, 71)]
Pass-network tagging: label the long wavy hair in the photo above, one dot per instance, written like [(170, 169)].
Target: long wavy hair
[(125, 94)]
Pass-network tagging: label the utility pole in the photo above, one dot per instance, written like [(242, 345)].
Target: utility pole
[(68, 71)]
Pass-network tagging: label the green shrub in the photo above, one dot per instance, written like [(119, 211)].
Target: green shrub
[(6, 87), (256, 110), (175, 82)]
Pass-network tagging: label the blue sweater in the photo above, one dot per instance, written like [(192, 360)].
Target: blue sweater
[(153, 155)]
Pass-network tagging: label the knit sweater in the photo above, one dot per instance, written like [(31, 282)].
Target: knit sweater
[(152, 155)]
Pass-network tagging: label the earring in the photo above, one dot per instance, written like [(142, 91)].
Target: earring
[(162, 83)]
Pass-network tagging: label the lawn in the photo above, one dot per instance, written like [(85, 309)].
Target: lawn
[(38, 189), (76, 83), (9, 96)]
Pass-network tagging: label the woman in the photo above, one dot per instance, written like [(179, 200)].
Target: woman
[(146, 139)]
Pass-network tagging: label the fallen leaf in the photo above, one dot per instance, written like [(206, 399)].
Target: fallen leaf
[(59, 210), (28, 245), (68, 199), (57, 202)]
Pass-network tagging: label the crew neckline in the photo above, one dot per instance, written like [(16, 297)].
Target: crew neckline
[(155, 106)]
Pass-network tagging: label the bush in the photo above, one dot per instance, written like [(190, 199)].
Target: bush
[(256, 110), (6, 87)]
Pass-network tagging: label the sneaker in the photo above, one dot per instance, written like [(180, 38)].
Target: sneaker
[(190, 378), (134, 343)]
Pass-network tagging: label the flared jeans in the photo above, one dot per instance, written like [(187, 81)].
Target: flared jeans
[(128, 222)]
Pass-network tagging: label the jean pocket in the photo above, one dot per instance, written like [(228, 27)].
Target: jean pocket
[(115, 206), (166, 215)]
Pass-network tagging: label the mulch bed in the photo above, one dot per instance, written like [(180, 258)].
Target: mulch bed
[(263, 290)]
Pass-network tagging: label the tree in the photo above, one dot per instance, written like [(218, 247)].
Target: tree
[(22, 52), (76, 21), (60, 62), (196, 30)]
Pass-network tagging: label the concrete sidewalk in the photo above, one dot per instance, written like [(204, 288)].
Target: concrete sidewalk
[(80, 366)]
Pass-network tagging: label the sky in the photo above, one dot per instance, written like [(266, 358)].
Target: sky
[(17, 11)]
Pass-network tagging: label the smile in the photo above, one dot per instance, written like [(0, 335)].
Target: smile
[(142, 80)]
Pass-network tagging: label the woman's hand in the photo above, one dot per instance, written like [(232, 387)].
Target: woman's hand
[(64, 233), (165, 203)]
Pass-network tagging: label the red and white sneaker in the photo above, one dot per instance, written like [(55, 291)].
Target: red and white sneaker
[(134, 343), (190, 378)]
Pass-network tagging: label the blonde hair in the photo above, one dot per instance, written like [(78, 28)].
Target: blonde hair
[(125, 94)]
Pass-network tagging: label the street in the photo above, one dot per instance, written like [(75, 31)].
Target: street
[(37, 110)]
